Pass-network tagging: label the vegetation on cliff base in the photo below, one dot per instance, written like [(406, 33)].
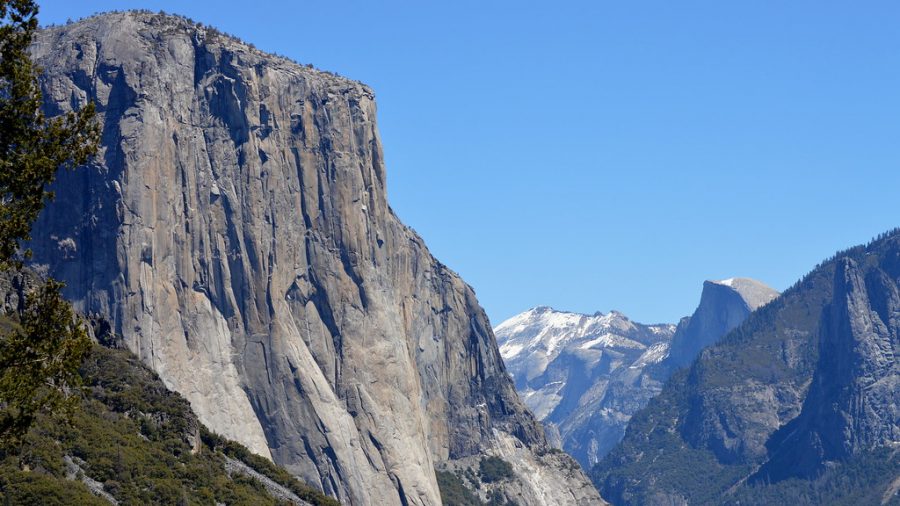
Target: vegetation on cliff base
[(138, 440), (454, 491), (39, 360), (493, 469)]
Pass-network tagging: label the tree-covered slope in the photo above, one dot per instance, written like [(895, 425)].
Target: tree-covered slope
[(812, 374), (132, 441)]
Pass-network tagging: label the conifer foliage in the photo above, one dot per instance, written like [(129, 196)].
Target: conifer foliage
[(39, 356)]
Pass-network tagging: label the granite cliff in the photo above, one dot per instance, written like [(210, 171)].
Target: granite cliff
[(235, 231), (723, 306), (129, 440), (852, 405)]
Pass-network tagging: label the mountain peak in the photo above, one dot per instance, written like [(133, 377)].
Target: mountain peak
[(724, 304), (754, 293)]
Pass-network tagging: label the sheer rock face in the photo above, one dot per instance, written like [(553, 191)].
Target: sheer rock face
[(235, 231), (853, 403), (723, 306)]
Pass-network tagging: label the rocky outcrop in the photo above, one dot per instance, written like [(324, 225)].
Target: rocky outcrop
[(723, 306), (531, 483), (74, 471), (235, 230), (806, 388), (273, 488), (15, 285), (853, 403), (585, 376)]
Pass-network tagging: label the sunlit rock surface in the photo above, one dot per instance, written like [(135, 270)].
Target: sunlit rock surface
[(235, 230)]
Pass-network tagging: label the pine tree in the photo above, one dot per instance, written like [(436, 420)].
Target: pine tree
[(40, 356)]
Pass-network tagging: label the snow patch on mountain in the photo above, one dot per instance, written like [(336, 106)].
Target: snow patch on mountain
[(542, 338), (654, 355), (585, 375), (542, 333)]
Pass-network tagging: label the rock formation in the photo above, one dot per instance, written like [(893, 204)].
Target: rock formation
[(235, 230), (723, 306), (806, 388), (853, 403), (585, 376)]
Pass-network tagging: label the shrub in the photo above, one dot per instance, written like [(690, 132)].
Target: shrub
[(454, 492), (493, 469)]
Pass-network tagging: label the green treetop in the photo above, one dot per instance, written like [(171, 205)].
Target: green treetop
[(40, 355)]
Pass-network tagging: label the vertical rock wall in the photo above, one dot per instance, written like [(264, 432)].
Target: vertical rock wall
[(235, 230)]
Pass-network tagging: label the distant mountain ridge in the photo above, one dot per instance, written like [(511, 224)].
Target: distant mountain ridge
[(533, 342), (585, 375), (797, 405)]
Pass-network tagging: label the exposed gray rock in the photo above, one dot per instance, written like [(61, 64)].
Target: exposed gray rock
[(75, 471), (723, 306), (531, 484), (276, 490), (14, 288), (584, 376), (853, 403), (235, 230), (806, 388)]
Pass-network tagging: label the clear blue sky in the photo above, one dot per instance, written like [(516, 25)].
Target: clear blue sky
[(606, 155)]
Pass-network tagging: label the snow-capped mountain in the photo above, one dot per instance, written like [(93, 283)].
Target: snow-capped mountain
[(585, 375), (547, 332), (565, 363)]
